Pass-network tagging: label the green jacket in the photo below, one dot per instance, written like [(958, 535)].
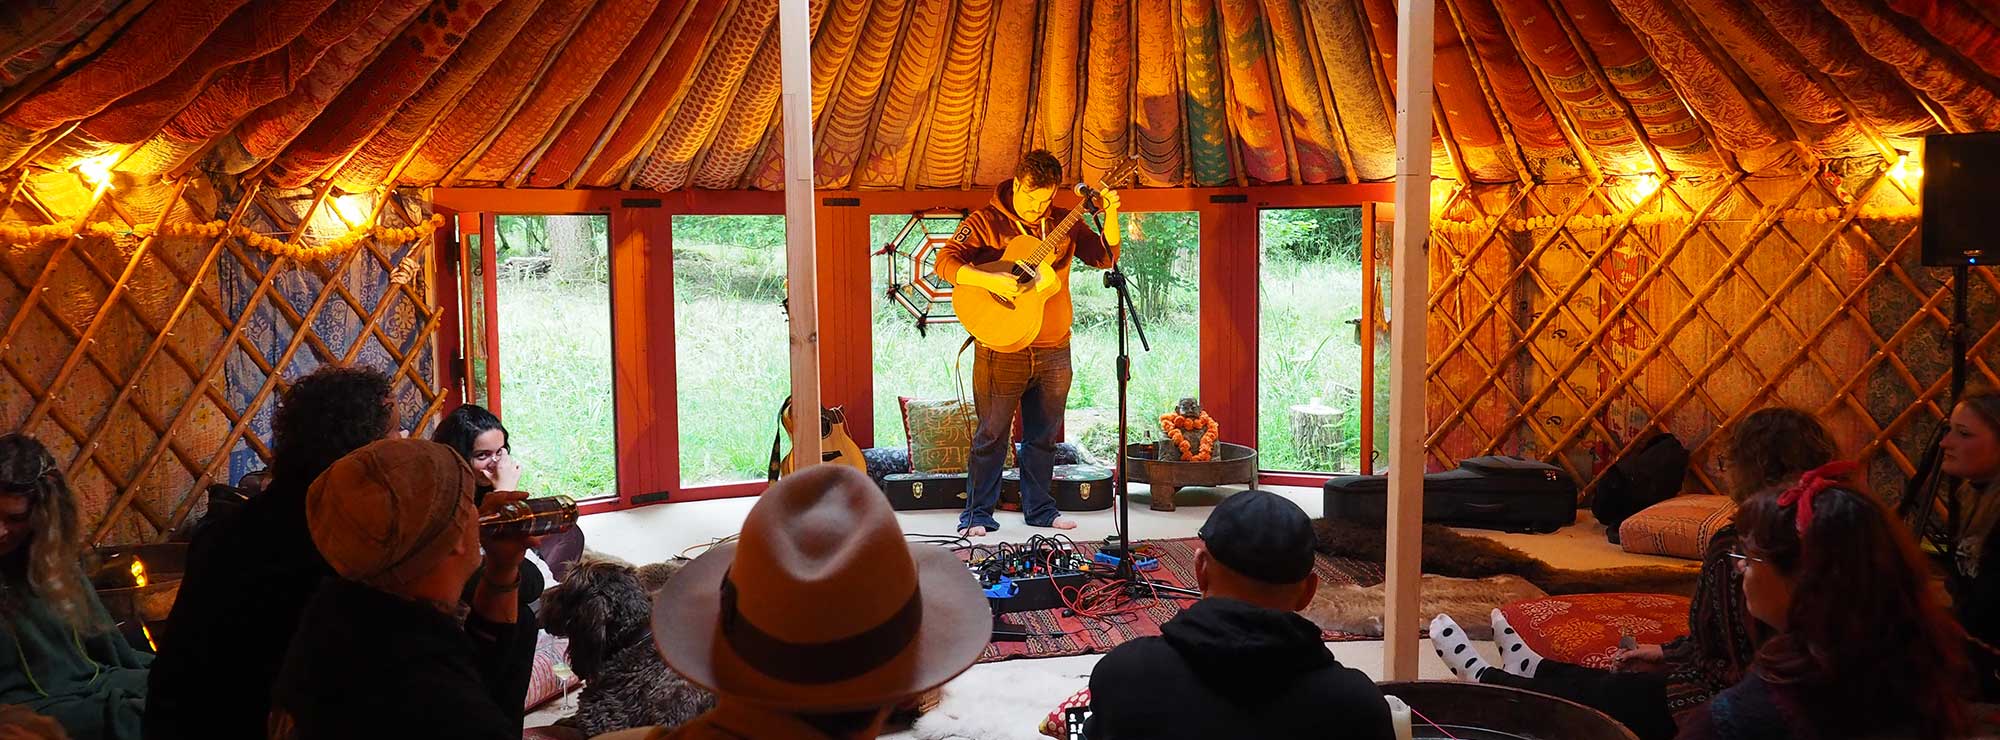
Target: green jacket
[(92, 683)]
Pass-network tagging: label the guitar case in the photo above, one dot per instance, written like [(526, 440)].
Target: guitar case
[(1075, 488), (920, 491), (1506, 493)]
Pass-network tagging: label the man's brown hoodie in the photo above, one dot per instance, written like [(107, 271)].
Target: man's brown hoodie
[(982, 237)]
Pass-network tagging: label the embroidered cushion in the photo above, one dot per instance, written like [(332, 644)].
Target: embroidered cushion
[(940, 433), (1056, 725), (1677, 527)]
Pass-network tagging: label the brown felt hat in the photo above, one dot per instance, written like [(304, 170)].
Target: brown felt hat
[(387, 513), (821, 605)]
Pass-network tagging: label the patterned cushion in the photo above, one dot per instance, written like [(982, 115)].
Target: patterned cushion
[(1679, 527), (542, 684), (1584, 628), (1056, 725), (940, 433)]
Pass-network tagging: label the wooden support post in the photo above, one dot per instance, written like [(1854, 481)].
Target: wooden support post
[(1407, 298), (795, 56)]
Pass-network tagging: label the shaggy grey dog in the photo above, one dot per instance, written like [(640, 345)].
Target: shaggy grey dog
[(606, 611)]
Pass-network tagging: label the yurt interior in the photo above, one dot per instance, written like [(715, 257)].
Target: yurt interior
[(1509, 344)]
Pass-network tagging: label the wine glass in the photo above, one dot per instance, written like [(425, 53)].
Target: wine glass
[(564, 675)]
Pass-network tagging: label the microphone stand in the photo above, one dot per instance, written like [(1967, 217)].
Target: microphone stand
[(1128, 315)]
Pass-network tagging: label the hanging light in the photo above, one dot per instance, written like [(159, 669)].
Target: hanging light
[(354, 208), (96, 170), (1643, 186), (1906, 171)]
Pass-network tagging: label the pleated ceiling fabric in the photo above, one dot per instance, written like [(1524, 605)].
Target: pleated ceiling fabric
[(1782, 76), (266, 132), (1103, 134), (846, 118), (1156, 115), (1209, 135), (468, 122), (237, 91), (1535, 127), (661, 96), (597, 43), (671, 161), (755, 116), (948, 143), (1957, 25), (37, 33), (576, 136), (919, 57), (1972, 106), (491, 38), (1357, 96), (1871, 87), (1003, 124), (152, 47)]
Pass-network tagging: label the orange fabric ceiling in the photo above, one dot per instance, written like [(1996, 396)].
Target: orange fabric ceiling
[(673, 94)]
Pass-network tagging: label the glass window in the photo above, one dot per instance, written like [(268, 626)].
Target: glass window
[(1162, 261), (916, 336), (730, 332), (1309, 358), (554, 308)]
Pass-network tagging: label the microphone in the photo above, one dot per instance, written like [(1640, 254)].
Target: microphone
[(1085, 191), (1091, 198)]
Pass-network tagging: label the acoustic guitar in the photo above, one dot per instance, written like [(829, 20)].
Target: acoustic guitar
[(1009, 325), (834, 444)]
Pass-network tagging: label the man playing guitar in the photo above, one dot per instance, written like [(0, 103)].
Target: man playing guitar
[(1035, 380)]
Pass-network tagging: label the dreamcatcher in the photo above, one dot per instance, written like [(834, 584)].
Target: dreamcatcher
[(913, 282)]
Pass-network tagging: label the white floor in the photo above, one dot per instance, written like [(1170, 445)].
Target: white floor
[(1008, 699)]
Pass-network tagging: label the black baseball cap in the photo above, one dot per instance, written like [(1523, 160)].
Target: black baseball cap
[(1261, 535)]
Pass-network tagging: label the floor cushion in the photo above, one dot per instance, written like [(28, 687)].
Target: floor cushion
[(543, 687), (1056, 725), (940, 433), (1584, 629), (1677, 527)]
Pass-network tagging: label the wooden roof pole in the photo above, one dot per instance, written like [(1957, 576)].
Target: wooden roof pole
[(1414, 51), (801, 287)]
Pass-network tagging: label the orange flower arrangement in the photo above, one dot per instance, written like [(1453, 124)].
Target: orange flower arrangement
[(1176, 426)]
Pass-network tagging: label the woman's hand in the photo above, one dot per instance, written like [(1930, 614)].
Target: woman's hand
[(1641, 659), (505, 474)]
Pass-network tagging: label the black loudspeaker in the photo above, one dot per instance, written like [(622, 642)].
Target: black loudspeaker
[(1961, 192)]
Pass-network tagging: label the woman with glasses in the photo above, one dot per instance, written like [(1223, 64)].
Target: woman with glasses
[(1864, 647), (1654, 684)]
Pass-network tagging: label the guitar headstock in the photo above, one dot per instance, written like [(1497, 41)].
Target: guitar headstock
[(1120, 175)]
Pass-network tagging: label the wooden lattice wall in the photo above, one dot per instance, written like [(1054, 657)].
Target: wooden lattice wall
[(1569, 322), (150, 361)]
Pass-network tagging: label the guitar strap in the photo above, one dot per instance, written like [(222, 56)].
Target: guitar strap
[(777, 436)]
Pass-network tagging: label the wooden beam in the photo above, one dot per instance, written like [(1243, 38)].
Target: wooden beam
[(795, 55), (1408, 283)]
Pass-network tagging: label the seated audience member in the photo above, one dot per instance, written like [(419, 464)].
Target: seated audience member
[(1863, 647), (478, 437), (1971, 453), (819, 620), (380, 648), (248, 578), (1241, 662), (1655, 683), (60, 653)]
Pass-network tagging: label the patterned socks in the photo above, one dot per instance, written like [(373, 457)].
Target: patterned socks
[(1515, 656), (1455, 649)]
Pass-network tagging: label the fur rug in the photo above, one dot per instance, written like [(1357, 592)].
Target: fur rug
[(1358, 609), (1448, 553), (1002, 701)]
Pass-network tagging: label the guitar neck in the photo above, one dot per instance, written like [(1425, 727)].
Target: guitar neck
[(1057, 234)]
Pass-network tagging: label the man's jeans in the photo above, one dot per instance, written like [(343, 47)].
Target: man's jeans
[(1035, 381)]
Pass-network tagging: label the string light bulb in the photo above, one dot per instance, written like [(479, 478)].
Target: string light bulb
[(354, 209), (96, 170), (1905, 171), (1643, 186)]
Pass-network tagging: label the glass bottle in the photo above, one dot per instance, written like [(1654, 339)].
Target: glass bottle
[(533, 518)]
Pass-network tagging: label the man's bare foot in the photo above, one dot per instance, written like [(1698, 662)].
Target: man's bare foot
[(970, 532), (1063, 522)]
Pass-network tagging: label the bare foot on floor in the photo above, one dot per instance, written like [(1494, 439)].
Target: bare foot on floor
[(971, 532), (1063, 522)]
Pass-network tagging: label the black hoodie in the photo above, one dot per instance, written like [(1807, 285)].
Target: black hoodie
[(1227, 669)]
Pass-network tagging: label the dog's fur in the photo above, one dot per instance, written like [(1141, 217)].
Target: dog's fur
[(605, 610), (1448, 553)]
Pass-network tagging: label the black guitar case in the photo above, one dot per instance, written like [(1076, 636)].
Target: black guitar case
[(1075, 488), (1505, 493), (916, 491)]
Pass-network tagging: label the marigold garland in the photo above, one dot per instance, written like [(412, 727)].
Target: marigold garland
[(277, 247), (1175, 425), (1825, 215)]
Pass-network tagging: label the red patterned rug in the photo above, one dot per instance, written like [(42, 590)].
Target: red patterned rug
[(1053, 635)]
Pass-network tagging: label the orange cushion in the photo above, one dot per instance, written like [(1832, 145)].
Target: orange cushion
[(1678, 527), (1584, 628)]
